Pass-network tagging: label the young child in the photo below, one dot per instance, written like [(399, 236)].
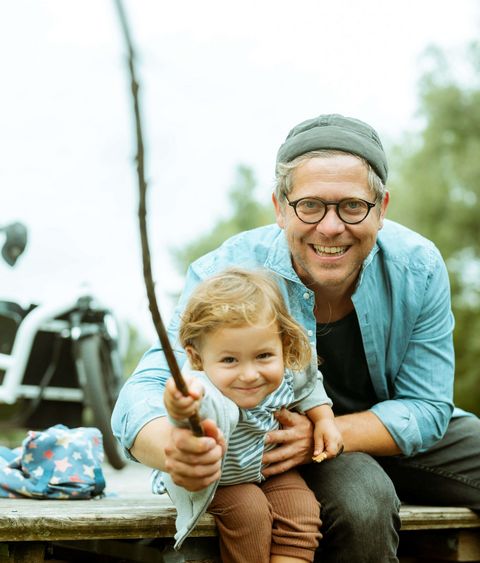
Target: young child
[(256, 359)]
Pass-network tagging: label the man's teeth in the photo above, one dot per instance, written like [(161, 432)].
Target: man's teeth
[(329, 249)]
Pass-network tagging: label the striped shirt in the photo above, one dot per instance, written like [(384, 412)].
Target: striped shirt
[(243, 460)]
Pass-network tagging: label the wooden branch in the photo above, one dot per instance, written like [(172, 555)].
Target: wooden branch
[(142, 216)]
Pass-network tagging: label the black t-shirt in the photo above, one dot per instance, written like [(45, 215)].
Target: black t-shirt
[(344, 366)]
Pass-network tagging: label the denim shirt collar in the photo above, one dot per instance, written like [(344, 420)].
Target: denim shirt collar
[(368, 260), (279, 259)]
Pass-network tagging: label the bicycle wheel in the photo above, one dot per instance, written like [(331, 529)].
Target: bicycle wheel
[(100, 384)]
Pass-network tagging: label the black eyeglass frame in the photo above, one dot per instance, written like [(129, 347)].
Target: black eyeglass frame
[(369, 205)]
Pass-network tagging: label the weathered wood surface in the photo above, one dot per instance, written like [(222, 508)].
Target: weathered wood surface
[(150, 516), (126, 517), (437, 518)]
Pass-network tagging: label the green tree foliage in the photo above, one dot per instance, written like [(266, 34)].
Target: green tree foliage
[(436, 191), (246, 213)]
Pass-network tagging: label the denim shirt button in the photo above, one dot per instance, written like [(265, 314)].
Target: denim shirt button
[(310, 332), (306, 295)]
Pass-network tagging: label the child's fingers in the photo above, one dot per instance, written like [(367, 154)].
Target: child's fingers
[(181, 406), (319, 444), (327, 446), (334, 446), (171, 389), (194, 385)]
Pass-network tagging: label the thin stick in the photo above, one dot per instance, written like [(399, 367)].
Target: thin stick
[(194, 420)]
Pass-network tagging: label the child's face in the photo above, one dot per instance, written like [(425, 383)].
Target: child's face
[(244, 363)]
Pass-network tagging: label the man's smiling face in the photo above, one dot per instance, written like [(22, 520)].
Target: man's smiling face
[(330, 254)]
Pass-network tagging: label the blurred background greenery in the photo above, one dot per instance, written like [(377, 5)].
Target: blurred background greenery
[(435, 190)]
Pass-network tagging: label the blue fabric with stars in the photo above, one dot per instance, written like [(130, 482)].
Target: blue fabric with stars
[(57, 463)]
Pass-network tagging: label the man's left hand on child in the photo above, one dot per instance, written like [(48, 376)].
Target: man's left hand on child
[(294, 443)]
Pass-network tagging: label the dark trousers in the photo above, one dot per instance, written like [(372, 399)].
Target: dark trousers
[(359, 494)]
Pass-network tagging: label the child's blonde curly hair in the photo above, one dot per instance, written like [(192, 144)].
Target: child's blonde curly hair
[(238, 297)]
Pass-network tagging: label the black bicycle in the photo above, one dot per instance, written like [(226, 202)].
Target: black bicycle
[(60, 361)]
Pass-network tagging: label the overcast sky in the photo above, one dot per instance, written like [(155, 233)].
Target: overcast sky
[(222, 83)]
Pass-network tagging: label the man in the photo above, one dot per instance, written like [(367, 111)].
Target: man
[(374, 298)]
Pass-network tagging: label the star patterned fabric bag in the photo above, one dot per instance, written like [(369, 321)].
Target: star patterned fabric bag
[(57, 463)]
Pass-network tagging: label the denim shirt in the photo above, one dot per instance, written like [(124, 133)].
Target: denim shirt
[(402, 300)]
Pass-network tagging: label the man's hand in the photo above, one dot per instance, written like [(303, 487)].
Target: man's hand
[(194, 463), (295, 443)]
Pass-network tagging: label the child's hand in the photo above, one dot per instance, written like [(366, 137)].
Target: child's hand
[(181, 407), (327, 439)]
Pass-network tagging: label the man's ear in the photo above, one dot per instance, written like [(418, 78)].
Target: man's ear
[(279, 212), (383, 209), (194, 358)]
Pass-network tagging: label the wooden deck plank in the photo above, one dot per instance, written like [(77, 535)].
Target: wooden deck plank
[(152, 516), (445, 533), (126, 517), (437, 517)]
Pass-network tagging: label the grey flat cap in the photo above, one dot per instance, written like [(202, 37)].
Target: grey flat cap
[(336, 132)]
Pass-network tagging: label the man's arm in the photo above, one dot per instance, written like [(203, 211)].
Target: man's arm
[(410, 335), (148, 447), (364, 432)]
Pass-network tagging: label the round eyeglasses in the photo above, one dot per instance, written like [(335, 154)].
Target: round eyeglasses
[(312, 210)]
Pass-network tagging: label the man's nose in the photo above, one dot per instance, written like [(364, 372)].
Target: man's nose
[(331, 224)]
